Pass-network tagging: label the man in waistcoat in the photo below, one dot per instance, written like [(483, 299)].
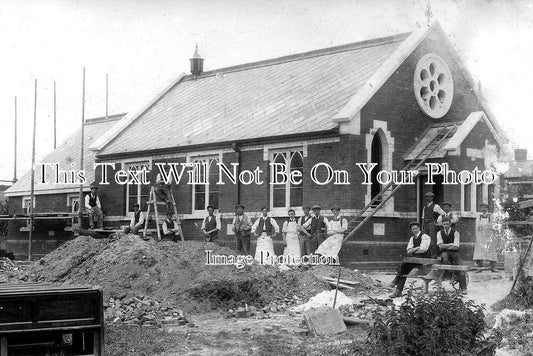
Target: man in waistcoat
[(94, 208), (241, 228), (430, 213), (417, 246), (170, 228), (265, 229), (211, 225), (305, 233), (162, 190), (454, 217), (318, 227), (448, 242), (137, 220)]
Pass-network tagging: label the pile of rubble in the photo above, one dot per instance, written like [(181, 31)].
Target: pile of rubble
[(7, 265), (141, 310)]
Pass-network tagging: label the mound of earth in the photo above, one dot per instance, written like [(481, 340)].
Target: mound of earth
[(175, 272)]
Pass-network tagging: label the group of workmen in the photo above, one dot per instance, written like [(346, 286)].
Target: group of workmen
[(305, 236), (437, 237)]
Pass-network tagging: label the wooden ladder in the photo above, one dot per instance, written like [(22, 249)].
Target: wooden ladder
[(384, 195), (152, 200)]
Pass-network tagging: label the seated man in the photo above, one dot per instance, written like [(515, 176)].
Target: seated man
[(136, 222), (448, 242), (94, 208), (170, 228), (417, 247)]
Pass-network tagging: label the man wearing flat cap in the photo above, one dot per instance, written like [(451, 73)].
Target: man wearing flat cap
[(318, 227), (305, 233), (485, 247), (336, 227), (94, 208), (211, 225), (417, 247), (241, 228), (265, 229), (454, 217), (430, 213)]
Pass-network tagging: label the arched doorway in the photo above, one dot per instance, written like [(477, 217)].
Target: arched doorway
[(376, 156)]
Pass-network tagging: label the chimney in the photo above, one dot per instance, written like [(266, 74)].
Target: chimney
[(520, 154), (197, 63)]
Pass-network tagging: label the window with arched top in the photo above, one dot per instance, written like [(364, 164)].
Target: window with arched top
[(376, 156), (288, 194)]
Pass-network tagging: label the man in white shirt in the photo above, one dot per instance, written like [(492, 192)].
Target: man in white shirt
[(448, 213), (170, 228), (448, 242), (417, 247), (94, 208), (137, 220), (265, 229), (211, 225)]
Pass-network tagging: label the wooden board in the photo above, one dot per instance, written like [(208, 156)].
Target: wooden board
[(344, 281), (422, 261), (451, 267), (324, 321)]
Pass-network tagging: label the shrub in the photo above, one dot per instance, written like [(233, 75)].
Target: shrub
[(441, 324)]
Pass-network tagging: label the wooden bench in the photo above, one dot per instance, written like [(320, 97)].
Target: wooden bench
[(432, 270)]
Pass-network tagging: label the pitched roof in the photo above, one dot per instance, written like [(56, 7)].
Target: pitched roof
[(520, 169), (65, 154), (284, 96)]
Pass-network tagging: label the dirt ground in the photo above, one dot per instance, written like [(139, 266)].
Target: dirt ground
[(129, 268), (284, 333)]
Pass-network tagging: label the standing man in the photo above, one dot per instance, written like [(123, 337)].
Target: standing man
[(265, 229), (448, 242), (137, 220), (335, 230), (93, 206), (417, 246), (241, 228), (317, 226), (211, 225), (170, 228), (430, 213), (454, 217), (290, 237), (305, 233), (485, 247)]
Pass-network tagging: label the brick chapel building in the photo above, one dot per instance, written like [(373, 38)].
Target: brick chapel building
[(383, 100)]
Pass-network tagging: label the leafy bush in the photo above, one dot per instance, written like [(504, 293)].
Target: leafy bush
[(441, 324)]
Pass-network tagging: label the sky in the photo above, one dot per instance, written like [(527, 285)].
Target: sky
[(145, 45)]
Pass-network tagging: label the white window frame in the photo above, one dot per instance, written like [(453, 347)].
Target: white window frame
[(127, 165), (205, 156), (25, 200), (71, 199), (473, 198), (286, 150)]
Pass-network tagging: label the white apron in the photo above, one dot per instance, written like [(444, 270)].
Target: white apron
[(332, 245), (264, 244), (293, 243), (485, 247)]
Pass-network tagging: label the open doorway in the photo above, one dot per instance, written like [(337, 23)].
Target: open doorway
[(376, 156)]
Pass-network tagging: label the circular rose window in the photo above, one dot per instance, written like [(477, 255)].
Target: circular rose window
[(433, 86)]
